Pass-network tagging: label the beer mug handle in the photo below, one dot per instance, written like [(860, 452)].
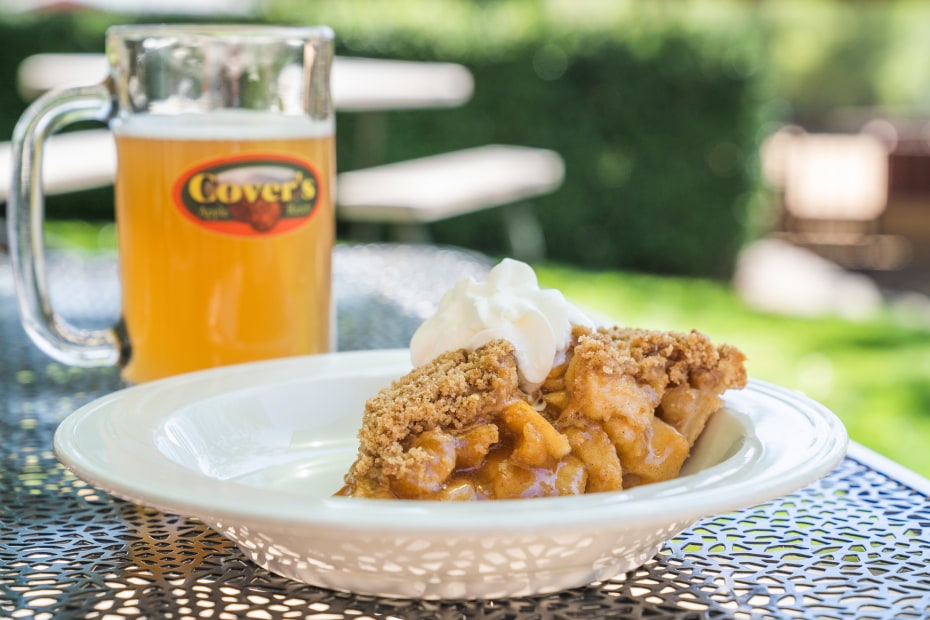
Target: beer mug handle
[(25, 213)]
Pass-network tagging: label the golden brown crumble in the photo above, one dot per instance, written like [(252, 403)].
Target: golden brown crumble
[(624, 409), (455, 390)]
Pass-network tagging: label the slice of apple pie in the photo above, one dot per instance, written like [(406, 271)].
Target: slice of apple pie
[(622, 408)]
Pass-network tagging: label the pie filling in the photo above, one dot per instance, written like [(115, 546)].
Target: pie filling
[(624, 409)]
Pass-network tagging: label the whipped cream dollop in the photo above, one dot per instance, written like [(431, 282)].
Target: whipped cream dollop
[(510, 305)]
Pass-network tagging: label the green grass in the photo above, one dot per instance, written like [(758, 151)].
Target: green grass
[(80, 235), (875, 374)]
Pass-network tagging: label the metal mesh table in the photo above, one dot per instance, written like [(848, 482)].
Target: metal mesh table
[(855, 544)]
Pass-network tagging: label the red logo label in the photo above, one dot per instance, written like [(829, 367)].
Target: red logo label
[(250, 195)]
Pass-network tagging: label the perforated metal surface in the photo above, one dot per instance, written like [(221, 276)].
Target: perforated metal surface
[(854, 545)]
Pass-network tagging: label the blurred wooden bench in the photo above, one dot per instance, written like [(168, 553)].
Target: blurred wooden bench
[(71, 162), (410, 194)]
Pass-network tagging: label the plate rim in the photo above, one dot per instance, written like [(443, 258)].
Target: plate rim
[(628, 508)]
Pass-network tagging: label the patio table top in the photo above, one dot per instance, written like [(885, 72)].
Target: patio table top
[(855, 544)]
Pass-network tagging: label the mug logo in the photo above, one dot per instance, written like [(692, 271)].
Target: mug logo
[(251, 195)]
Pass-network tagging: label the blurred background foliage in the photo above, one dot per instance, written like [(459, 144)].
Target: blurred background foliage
[(658, 127), (658, 108)]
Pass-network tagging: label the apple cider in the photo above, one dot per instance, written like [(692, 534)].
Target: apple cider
[(225, 240)]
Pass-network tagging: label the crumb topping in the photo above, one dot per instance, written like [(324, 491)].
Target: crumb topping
[(455, 390), (645, 394), (683, 358)]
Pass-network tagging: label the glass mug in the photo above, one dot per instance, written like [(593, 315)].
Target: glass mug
[(224, 212)]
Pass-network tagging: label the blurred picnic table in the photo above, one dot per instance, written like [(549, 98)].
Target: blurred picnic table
[(405, 195), (358, 84)]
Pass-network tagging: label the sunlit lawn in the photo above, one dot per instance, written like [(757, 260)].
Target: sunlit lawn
[(874, 374)]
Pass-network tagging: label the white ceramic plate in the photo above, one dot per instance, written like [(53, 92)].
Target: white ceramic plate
[(257, 450)]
